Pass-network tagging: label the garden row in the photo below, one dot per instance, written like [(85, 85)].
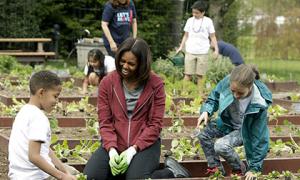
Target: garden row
[(75, 128), (176, 137)]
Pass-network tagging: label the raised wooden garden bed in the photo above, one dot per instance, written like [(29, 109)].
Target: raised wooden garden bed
[(192, 120), (283, 86), (9, 100), (198, 167), (62, 121)]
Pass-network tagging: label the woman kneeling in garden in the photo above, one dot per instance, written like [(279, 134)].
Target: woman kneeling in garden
[(242, 102), (131, 108)]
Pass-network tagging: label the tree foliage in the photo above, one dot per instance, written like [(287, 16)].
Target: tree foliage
[(277, 40), (160, 22)]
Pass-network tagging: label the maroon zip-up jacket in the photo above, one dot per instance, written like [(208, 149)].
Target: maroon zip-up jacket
[(144, 127)]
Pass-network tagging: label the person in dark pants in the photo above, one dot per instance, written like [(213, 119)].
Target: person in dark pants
[(131, 107), (228, 50)]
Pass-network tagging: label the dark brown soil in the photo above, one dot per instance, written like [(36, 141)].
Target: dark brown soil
[(63, 133), (3, 166), (74, 92)]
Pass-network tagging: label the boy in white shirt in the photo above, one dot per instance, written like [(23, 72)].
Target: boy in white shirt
[(30, 155), (198, 30)]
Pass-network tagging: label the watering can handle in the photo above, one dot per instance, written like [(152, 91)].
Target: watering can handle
[(180, 52)]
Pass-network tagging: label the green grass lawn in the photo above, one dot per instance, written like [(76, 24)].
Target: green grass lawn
[(286, 69)]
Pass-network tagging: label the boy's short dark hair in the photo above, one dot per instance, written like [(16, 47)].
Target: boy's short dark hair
[(43, 79), (200, 5)]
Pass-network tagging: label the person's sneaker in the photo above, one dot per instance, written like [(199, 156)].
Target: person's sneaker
[(177, 169), (213, 170)]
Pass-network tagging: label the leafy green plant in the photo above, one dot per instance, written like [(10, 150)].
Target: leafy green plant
[(275, 111), (167, 70), (79, 106), (278, 129), (177, 124), (288, 175), (81, 176), (86, 147), (68, 84), (62, 151), (92, 126), (272, 175), (218, 69), (216, 176), (7, 63), (235, 177), (278, 147), (192, 108), (270, 78), (53, 123), (295, 97), (184, 147)]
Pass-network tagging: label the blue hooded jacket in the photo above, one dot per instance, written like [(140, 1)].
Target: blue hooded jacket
[(255, 132)]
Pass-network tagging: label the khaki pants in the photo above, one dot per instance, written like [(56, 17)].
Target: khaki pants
[(195, 64), (70, 169)]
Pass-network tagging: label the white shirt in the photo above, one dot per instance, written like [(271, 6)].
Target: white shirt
[(109, 65), (30, 124), (198, 32)]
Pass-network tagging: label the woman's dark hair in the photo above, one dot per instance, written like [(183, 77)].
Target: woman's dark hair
[(141, 50), (116, 3), (43, 79), (97, 55), (200, 5), (244, 75)]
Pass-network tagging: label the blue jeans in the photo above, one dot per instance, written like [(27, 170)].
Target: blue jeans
[(216, 143)]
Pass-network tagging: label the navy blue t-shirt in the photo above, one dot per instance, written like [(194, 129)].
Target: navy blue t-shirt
[(120, 21), (228, 50)]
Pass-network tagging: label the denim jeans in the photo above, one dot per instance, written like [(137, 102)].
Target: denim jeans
[(216, 143)]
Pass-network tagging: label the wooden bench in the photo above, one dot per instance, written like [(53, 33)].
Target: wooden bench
[(28, 57)]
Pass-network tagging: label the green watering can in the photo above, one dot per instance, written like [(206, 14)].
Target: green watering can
[(178, 59)]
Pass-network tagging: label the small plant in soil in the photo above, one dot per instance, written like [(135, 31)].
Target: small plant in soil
[(81, 151), (272, 175), (216, 176), (92, 125), (287, 175), (295, 97), (177, 124), (275, 111), (66, 108), (235, 177), (278, 147), (81, 176), (185, 148)]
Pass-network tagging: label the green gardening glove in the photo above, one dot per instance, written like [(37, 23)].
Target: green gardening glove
[(125, 159), (114, 160)]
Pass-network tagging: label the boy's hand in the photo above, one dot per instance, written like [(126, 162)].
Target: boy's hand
[(68, 177), (215, 55), (178, 50)]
